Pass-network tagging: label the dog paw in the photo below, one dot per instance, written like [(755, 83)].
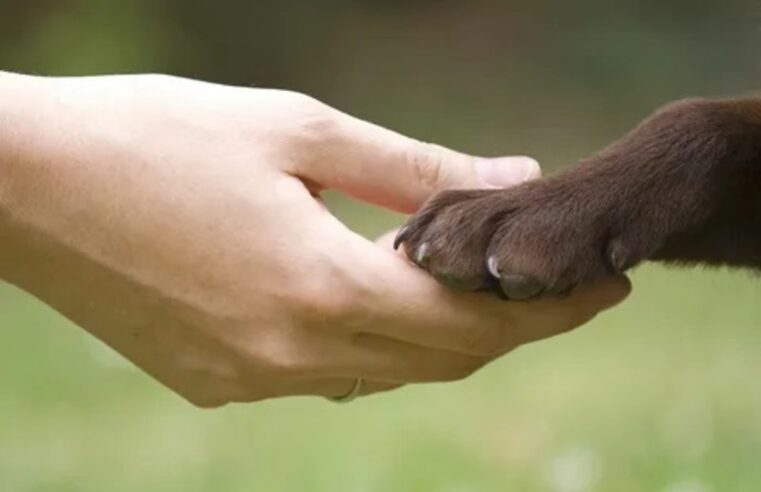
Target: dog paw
[(538, 239), (677, 188)]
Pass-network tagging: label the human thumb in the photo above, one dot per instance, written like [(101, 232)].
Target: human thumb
[(382, 167)]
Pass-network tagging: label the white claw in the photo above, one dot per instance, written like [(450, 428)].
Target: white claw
[(420, 253), (492, 266)]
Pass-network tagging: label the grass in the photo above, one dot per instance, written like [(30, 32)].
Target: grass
[(660, 394)]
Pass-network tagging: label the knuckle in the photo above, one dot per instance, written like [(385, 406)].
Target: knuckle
[(312, 123), (427, 164)]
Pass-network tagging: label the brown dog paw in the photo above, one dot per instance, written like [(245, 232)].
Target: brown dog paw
[(681, 187), (535, 240)]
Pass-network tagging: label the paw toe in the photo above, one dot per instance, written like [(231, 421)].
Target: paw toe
[(520, 287), (622, 254), (459, 281), (514, 286)]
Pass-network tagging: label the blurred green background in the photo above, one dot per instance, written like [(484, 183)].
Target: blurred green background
[(660, 394)]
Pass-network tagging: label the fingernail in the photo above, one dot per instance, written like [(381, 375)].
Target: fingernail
[(507, 171)]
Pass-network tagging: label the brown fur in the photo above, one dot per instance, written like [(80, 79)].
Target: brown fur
[(684, 186)]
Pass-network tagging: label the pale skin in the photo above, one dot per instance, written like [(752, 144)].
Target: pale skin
[(178, 222)]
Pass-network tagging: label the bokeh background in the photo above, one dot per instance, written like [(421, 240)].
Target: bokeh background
[(660, 394)]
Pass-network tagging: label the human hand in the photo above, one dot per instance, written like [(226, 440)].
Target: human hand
[(178, 222)]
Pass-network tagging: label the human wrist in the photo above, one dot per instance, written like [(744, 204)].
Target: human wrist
[(21, 98)]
